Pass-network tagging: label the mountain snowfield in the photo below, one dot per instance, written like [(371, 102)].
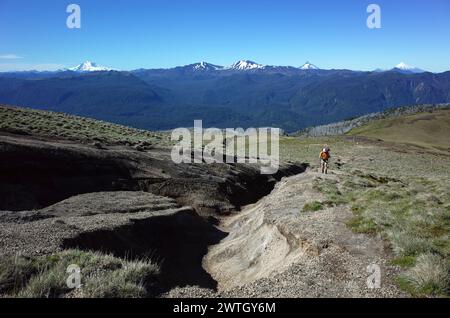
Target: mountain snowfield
[(406, 68), (89, 66), (402, 67), (243, 65), (204, 66), (308, 66)]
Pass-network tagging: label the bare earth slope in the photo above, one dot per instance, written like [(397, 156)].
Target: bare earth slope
[(275, 249), (62, 193)]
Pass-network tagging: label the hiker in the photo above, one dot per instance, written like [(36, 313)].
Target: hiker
[(324, 157)]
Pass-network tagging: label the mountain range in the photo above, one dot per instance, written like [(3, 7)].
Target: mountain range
[(245, 94), (242, 65)]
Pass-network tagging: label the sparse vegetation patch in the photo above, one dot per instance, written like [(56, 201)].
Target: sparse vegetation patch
[(102, 275), (313, 206), (399, 195)]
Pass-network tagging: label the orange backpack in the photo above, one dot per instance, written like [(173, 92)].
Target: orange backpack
[(324, 155)]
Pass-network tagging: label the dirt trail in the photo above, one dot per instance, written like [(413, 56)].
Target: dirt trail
[(275, 250)]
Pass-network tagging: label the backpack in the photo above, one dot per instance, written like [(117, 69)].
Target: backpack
[(324, 155)]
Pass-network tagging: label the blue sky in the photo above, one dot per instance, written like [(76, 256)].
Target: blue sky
[(165, 33)]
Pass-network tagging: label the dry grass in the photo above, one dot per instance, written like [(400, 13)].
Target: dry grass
[(102, 275), (428, 130), (429, 276)]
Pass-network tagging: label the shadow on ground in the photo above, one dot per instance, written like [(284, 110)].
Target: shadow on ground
[(178, 242)]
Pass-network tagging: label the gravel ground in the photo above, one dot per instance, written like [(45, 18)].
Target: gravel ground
[(78, 214), (289, 253)]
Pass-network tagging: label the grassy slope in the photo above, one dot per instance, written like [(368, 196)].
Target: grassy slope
[(397, 192), (426, 130), (51, 124)]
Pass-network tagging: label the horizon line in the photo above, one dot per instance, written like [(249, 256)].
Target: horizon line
[(63, 67)]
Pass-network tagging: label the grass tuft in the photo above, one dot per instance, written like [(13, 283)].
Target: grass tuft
[(429, 276), (102, 275), (313, 206)]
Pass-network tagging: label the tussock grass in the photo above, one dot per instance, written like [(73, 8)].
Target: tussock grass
[(429, 276), (102, 275)]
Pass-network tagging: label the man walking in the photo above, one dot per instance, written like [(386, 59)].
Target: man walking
[(324, 157)]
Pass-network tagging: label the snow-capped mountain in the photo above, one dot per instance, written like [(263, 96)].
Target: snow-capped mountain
[(405, 68), (308, 66), (89, 66), (243, 65), (204, 66), (401, 68)]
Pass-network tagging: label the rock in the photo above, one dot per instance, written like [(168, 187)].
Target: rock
[(97, 145), (139, 147)]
